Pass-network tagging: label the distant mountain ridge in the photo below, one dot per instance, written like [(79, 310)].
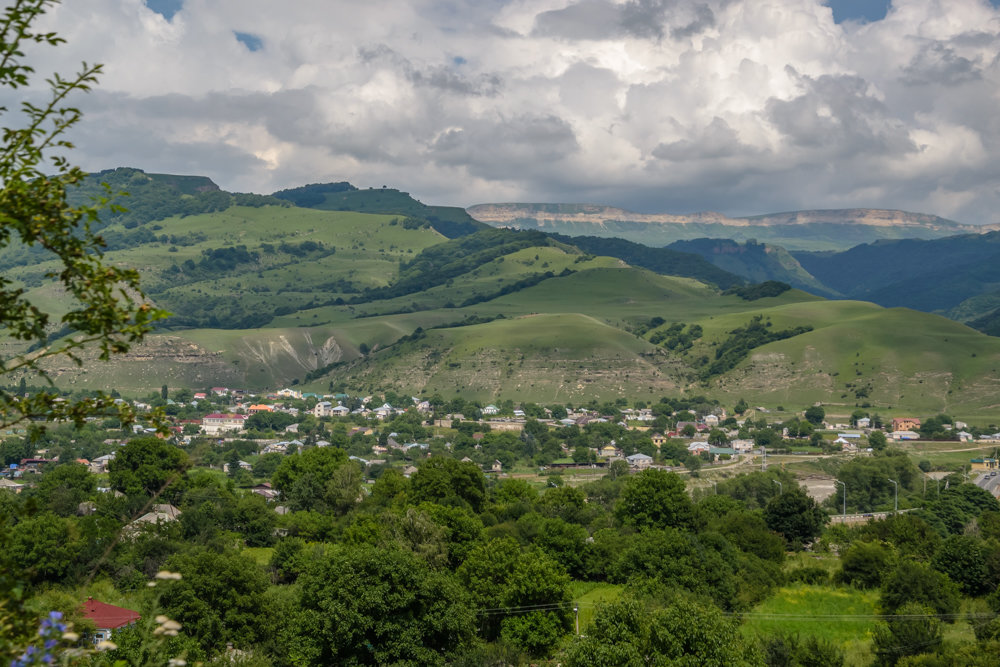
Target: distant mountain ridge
[(835, 229)]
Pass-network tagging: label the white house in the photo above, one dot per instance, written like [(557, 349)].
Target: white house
[(490, 410), (639, 460), (218, 422)]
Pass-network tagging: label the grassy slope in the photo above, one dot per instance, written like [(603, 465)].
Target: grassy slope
[(577, 349)]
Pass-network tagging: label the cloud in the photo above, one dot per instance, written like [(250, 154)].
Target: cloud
[(742, 106)]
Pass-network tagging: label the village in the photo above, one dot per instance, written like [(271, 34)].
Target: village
[(680, 436)]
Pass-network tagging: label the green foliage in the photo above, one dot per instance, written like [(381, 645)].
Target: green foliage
[(865, 564), (449, 221), (786, 650), (447, 481), (320, 479), (661, 260), (913, 582), (218, 600), (737, 346), (762, 290), (913, 630), (796, 516), (815, 415), (147, 466), (64, 487), (685, 632), (655, 499), (965, 559), (104, 307), (364, 605), (504, 581)]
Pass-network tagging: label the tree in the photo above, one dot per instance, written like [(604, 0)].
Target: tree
[(655, 499), (64, 487), (500, 576), (912, 631), (915, 582), (219, 597), (320, 478), (447, 481), (368, 605), (865, 564), (877, 440), (147, 466), (796, 516), (964, 559), (104, 309), (686, 632), (815, 415)]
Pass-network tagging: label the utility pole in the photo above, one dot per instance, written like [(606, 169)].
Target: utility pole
[(844, 484), (576, 611), (895, 503), (781, 489), (763, 465)]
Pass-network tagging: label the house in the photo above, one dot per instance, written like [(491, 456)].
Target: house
[(904, 435), (905, 424), (340, 411), (101, 463), (639, 461), (220, 391), (385, 411), (264, 489), (610, 452), (107, 618), (409, 470), (659, 439), (219, 422), (323, 409), (160, 514), (496, 467), (711, 421), (718, 452), (864, 422), (985, 464), (698, 447), (11, 486), (288, 393), (260, 407), (490, 410), (742, 446), (243, 466), (964, 436)]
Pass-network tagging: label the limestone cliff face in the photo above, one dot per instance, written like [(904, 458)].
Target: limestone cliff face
[(511, 214)]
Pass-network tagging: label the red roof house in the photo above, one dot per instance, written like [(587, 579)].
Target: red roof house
[(107, 617)]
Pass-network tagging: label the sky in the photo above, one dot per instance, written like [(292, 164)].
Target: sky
[(737, 106)]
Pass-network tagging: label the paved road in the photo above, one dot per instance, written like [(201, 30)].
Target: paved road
[(989, 482)]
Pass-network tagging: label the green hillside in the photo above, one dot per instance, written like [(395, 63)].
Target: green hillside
[(276, 293), (448, 220), (929, 275), (757, 262)]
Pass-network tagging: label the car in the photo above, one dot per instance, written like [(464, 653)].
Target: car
[(993, 474)]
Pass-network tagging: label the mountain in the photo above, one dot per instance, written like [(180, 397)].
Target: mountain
[(274, 293), (758, 262), (942, 275), (798, 230)]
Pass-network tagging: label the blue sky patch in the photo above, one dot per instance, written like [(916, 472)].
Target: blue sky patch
[(252, 42), (165, 8)]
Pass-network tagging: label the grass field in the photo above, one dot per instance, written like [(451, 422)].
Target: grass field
[(843, 616), (588, 595)]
